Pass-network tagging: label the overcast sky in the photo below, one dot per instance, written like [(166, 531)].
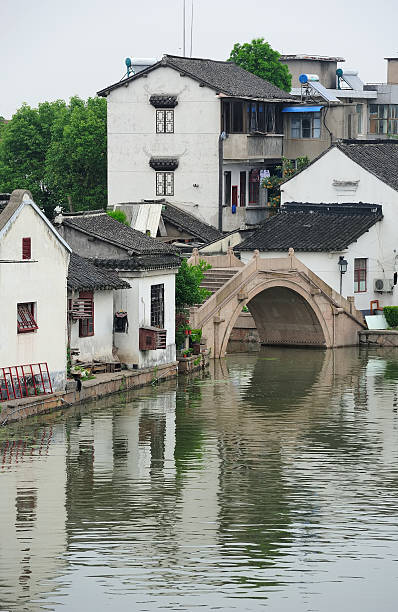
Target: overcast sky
[(52, 49)]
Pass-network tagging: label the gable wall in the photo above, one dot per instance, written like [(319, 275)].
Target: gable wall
[(315, 184), (132, 141), (43, 281)]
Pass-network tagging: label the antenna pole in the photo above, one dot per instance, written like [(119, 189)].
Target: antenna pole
[(183, 27), (190, 54)]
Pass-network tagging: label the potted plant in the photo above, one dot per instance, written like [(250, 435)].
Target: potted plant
[(196, 336)]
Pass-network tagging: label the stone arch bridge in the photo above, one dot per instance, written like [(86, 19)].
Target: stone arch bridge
[(290, 304)]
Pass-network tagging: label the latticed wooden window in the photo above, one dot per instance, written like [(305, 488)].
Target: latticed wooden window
[(360, 268), (86, 323), (164, 183), (165, 121), (157, 306), (26, 248), (26, 317)]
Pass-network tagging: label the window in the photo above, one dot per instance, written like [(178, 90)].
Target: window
[(383, 119), (305, 125), (165, 121), (240, 117), (360, 266), (359, 117), (227, 188), (254, 186), (242, 196), (86, 323), (26, 248), (164, 183), (26, 321), (157, 306)]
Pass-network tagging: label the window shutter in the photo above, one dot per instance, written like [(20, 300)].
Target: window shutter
[(26, 248)]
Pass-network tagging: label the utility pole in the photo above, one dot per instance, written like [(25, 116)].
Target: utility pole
[(183, 27)]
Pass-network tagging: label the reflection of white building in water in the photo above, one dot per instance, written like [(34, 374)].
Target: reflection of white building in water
[(33, 515)]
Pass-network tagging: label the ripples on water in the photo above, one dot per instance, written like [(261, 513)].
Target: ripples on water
[(272, 482)]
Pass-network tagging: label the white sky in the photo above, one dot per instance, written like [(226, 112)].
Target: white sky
[(53, 49)]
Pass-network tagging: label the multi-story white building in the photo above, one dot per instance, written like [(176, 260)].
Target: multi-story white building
[(198, 132)]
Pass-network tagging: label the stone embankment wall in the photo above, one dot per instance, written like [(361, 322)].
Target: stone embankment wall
[(101, 385), (378, 337)]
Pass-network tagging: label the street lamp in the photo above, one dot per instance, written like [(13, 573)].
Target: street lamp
[(343, 265)]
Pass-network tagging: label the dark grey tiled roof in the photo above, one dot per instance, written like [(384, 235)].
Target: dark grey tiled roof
[(83, 275), (163, 101), (104, 227), (163, 163), (11, 205), (142, 262), (313, 227), (190, 224), (378, 157), (223, 77)]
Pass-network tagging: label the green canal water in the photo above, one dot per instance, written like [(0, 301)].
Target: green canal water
[(271, 482)]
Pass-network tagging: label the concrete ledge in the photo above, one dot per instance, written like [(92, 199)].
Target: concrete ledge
[(100, 386), (378, 337)]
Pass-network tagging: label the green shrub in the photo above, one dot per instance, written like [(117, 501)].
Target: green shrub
[(118, 215), (391, 315)]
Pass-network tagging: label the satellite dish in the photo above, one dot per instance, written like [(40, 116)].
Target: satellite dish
[(127, 61)]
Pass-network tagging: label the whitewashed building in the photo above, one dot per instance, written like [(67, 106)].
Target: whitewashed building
[(352, 189), (91, 316), (144, 314), (34, 261), (197, 132)]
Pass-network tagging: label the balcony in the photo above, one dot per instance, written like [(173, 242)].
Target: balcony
[(253, 146)]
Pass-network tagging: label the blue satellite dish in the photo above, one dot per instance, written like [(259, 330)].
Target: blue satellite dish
[(127, 61)]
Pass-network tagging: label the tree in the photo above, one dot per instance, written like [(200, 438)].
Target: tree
[(188, 289), (286, 170), (118, 215), (76, 157), (259, 58), (58, 152)]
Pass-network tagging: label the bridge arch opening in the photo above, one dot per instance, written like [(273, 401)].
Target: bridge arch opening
[(284, 317)]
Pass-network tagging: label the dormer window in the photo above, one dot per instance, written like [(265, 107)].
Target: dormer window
[(26, 248)]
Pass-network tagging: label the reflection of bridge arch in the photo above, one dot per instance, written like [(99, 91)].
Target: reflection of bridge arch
[(289, 303)]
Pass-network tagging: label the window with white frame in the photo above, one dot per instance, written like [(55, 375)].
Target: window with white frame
[(164, 183), (305, 125), (165, 121)]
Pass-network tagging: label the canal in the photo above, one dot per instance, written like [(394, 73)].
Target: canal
[(271, 482)]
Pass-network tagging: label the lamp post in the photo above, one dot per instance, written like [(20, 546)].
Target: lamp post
[(343, 265)]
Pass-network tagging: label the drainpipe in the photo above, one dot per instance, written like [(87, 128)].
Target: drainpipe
[(221, 139)]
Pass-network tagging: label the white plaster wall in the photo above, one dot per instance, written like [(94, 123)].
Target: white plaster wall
[(137, 302), (132, 141), (380, 244), (41, 280), (99, 346)]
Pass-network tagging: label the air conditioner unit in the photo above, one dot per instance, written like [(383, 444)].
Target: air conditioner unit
[(383, 285)]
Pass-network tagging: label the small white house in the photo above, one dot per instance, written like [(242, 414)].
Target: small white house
[(144, 314), (91, 322), (34, 261), (339, 182)]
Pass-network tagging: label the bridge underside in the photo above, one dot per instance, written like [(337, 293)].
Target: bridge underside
[(283, 317)]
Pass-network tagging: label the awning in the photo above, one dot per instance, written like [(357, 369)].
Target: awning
[(302, 109)]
